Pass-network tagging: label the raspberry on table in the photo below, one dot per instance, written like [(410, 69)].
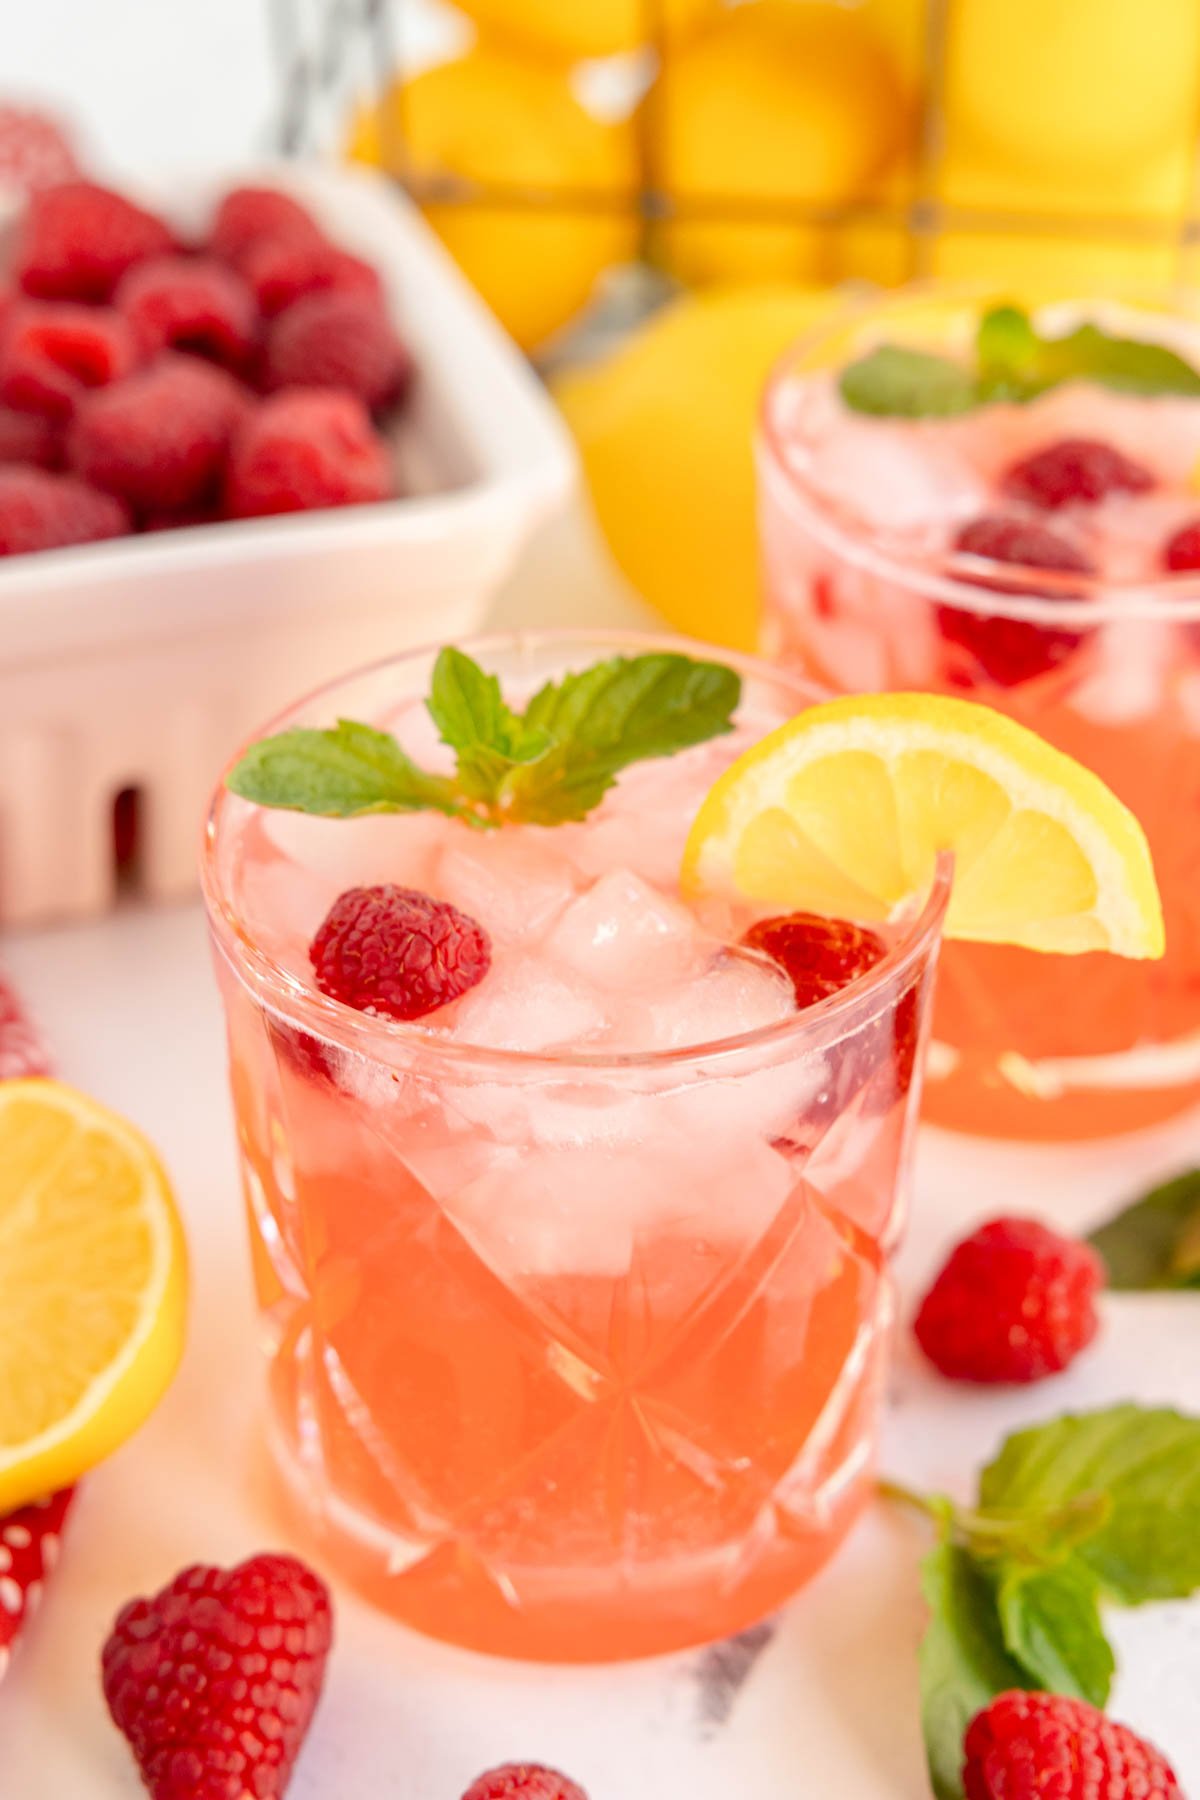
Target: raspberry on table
[(40, 511), (338, 341), (77, 240), (1015, 1302), (524, 1781), (1074, 471), (1181, 553), (29, 438), (30, 1536), (282, 270), (191, 303), (1048, 1747), (247, 215), (53, 353), (397, 953), (1010, 651), (35, 152), (160, 439), (214, 1680), (307, 448)]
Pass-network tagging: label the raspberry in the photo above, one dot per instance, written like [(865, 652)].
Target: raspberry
[(215, 1679), (282, 270), (338, 340), (1013, 650), (29, 1540), (46, 512), (524, 1781), (1014, 1303), (52, 354), (29, 438), (77, 240), (1075, 470), (247, 215), (397, 953), (818, 955), (1181, 553), (190, 303), (21, 1049), (34, 152), (1048, 1747), (159, 439), (304, 449)]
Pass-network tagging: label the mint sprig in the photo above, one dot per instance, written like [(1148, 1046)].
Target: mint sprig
[(1088, 1510), (547, 765), (1012, 361), (1154, 1243)]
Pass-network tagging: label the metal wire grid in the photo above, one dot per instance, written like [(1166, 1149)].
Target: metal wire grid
[(332, 53)]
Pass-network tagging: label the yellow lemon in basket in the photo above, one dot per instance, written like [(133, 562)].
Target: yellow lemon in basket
[(562, 205), (573, 29), (904, 27), (93, 1286), (780, 105), (665, 429)]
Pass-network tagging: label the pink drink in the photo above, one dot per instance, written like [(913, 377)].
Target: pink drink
[(574, 1292), (860, 519)]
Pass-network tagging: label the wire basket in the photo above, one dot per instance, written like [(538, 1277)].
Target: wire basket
[(928, 216)]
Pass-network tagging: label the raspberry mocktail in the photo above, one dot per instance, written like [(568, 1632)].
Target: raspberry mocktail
[(961, 497), (569, 1196)]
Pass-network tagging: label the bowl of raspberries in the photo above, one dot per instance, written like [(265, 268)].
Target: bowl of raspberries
[(252, 430)]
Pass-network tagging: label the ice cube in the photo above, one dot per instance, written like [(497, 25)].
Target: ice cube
[(1127, 673), (897, 479), (509, 880), (523, 1003), (623, 933), (363, 852), (735, 994)]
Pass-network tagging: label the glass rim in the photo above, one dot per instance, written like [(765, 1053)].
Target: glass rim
[(1079, 600), (364, 1034)]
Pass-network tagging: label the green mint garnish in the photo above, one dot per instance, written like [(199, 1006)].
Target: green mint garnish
[(551, 763), (1013, 361), (1155, 1242), (1093, 1509)]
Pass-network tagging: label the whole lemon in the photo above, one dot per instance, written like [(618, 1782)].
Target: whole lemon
[(904, 27), (492, 118), (665, 428), (581, 28), (1071, 85), (782, 103)]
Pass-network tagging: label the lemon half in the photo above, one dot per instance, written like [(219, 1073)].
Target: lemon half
[(845, 809)]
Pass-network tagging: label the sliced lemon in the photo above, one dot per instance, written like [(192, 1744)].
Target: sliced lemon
[(845, 809), (93, 1286)]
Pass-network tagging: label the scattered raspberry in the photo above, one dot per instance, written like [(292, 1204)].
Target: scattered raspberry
[(29, 438), (190, 303), (282, 270), (1182, 552), (39, 511), (77, 240), (29, 1540), (34, 151), (215, 1679), (338, 340), (1010, 651), (247, 215), (524, 1781), (53, 353), (1014, 1303), (1074, 471), (159, 439), (1047, 1747), (397, 953), (303, 449), (22, 1051)]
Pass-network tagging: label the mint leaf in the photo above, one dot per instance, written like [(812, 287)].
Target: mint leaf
[(340, 773), (1155, 1243), (1147, 1461), (1050, 1621), (622, 711), (1033, 1539), (963, 1661), (1009, 353), (1128, 364), (469, 711), (894, 381)]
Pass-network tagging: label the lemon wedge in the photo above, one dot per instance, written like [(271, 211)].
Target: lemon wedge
[(845, 809), (93, 1286)]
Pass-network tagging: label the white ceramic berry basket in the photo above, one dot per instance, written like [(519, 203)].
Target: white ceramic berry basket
[(139, 664)]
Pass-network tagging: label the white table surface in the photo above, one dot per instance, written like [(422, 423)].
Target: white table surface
[(828, 1707)]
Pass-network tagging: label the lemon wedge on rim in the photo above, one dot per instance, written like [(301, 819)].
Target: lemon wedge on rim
[(93, 1286), (844, 810)]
